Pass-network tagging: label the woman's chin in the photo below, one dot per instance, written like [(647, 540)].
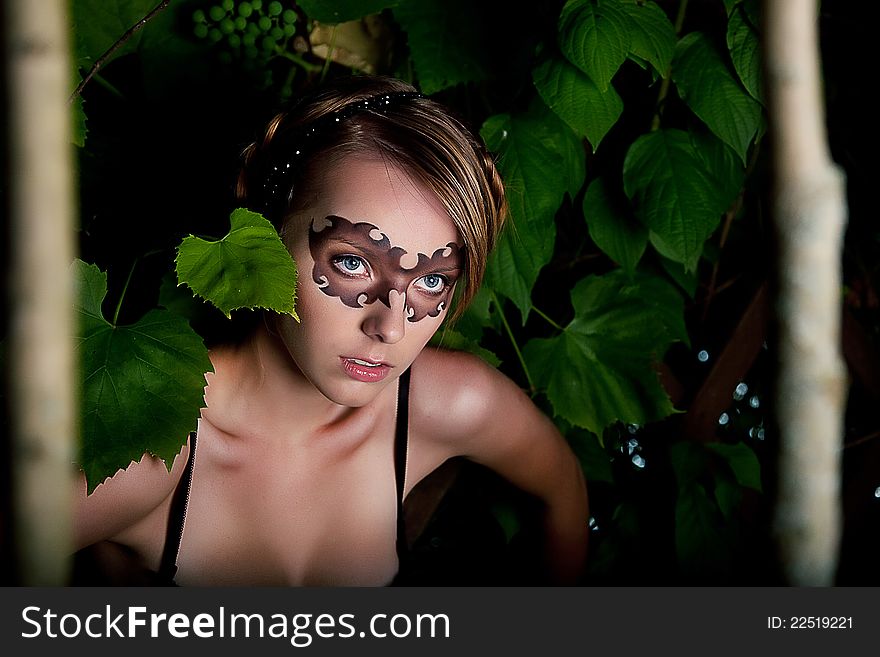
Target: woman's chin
[(353, 394)]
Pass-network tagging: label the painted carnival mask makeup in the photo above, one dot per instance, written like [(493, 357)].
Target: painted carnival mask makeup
[(357, 263)]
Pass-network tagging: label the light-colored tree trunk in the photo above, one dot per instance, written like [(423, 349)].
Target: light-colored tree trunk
[(810, 215), (41, 331)]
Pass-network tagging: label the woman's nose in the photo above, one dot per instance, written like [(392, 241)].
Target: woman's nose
[(386, 323)]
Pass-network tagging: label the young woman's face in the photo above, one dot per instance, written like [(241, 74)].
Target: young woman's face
[(377, 259)]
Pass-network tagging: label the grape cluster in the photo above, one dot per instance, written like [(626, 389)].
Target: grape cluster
[(252, 28)]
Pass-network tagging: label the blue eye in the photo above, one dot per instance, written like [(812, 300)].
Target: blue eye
[(432, 283), (351, 265)]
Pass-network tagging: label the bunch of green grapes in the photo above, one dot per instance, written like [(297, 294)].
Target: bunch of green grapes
[(252, 28)]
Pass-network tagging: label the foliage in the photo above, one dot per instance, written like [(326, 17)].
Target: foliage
[(627, 136), (141, 384), (249, 268)]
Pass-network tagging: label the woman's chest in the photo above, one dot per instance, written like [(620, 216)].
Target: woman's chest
[(324, 515)]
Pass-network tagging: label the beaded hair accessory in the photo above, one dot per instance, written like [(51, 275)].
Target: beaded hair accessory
[(276, 185)]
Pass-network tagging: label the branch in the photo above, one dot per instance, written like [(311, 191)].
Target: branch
[(116, 46), (42, 324), (809, 212)]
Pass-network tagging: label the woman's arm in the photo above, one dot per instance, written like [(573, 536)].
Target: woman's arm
[(125, 499), (481, 414)]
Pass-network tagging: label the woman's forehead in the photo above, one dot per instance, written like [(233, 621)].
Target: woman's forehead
[(373, 191)]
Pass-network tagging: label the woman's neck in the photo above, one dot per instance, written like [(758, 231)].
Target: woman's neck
[(258, 381)]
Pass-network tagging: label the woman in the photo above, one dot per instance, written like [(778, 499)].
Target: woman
[(314, 431)]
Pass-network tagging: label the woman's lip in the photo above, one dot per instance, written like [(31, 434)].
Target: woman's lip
[(365, 369)]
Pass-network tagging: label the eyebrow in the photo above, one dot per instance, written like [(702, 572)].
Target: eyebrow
[(444, 270), (360, 244), (345, 240)]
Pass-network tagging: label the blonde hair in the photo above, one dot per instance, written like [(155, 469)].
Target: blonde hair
[(417, 134)]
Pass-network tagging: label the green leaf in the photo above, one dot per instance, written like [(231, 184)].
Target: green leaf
[(722, 164), (142, 384), (612, 228), (249, 268), (689, 462), (686, 280), (478, 316), (79, 128), (645, 65), (652, 35), (78, 134), (507, 517), (673, 194), (710, 90), (98, 24), (449, 338), (744, 42), (701, 544), (540, 160), (445, 49), (728, 496), (593, 459), (595, 37), (599, 370), (730, 4), (587, 110), (742, 461), (340, 11)]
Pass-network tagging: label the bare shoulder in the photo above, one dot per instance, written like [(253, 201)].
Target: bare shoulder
[(126, 498), (456, 394)]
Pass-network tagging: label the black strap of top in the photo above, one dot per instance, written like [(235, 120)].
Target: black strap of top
[(401, 439), (168, 566), (174, 533)]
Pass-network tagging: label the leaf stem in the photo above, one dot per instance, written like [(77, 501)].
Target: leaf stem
[(509, 331), (664, 85), (124, 290), (330, 48), (299, 61), (549, 319), (100, 79)]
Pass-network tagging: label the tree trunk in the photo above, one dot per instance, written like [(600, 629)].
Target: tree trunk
[(41, 329), (810, 214)]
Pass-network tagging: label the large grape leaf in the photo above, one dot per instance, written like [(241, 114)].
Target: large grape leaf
[(249, 268), (445, 49), (673, 194), (595, 37), (709, 88), (652, 35), (161, 43), (340, 11), (79, 128), (592, 456), (449, 338), (599, 370), (612, 228), (577, 100), (142, 384), (541, 160), (98, 24)]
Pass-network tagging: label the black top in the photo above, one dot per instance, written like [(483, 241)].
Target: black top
[(177, 515)]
